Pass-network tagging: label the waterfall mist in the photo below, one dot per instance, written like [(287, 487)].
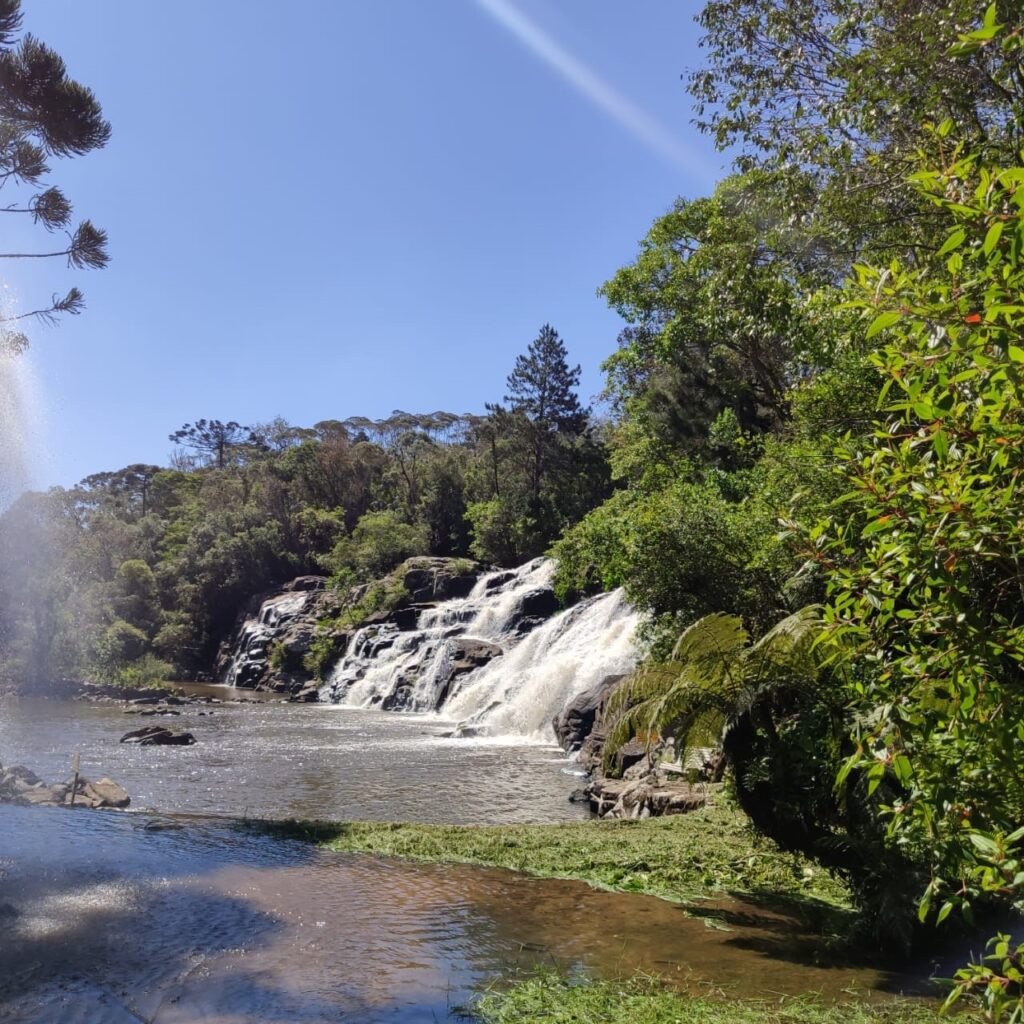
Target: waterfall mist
[(19, 425), (26, 550)]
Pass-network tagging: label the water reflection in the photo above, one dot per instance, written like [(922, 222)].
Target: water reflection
[(111, 918)]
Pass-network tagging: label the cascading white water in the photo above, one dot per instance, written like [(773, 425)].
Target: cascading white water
[(382, 659), (517, 693), (257, 633)]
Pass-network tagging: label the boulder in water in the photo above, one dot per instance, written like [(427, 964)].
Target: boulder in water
[(19, 785), (158, 736), (574, 724)]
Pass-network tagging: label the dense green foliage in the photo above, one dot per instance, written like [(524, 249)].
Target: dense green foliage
[(791, 444), (140, 573)]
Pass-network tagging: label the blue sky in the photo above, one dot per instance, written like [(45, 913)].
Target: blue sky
[(333, 208)]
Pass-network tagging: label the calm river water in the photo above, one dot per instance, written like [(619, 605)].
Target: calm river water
[(276, 760), (114, 918)]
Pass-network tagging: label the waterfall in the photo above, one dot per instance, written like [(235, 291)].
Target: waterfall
[(519, 694), (528, 665), (258, 633)]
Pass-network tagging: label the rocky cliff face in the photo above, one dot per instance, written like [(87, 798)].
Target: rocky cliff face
[(276, 631), (274, 634)]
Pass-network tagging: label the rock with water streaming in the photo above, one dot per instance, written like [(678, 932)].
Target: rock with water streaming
[(574, 724), (277, 629)]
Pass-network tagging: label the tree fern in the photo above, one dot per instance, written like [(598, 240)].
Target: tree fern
[(712, 677)]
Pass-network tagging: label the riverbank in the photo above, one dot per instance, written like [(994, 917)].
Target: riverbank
[(552, 999), (705, 859), (709, 852)]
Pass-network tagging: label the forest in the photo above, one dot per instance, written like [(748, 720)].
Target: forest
[(805, 471)]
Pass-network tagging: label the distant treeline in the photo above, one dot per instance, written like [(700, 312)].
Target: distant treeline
[(142, 570)]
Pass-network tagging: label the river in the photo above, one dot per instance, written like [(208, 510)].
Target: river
[(167, 917), (269, 759), (113, 918)]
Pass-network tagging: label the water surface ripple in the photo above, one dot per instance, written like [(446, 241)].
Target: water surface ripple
[(112, 918)]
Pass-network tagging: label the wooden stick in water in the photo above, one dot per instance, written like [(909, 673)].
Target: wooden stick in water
[(75, 767)]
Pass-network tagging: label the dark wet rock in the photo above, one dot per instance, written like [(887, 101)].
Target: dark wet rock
[(309, 694), (304, 583), (535, 608), (158, 736), (438, 579), (469, 654), (577, 720), (540, 603), (405, 619), (498, 581)]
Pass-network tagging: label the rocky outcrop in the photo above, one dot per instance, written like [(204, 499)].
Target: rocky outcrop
[(644, 781), (20, 785), (158, 736), (277, 629), (577, 720), (438, 579), (646, 797), (273, 635)]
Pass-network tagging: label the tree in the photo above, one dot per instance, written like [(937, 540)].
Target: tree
[(128, 487), (717, 302), (844, 86), (536, 465), (216, 440), (925, 567), (843, 89), (45, 114), (542, 389)]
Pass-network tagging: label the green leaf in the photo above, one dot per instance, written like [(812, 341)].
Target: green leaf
[(881, 322), (955, 240), (902, 769), (992, 237)]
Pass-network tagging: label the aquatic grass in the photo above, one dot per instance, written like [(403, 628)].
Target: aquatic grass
[(553, 999), (709, 852)]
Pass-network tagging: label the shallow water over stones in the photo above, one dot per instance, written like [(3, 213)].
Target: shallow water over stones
[(274, 760), (110, 918)]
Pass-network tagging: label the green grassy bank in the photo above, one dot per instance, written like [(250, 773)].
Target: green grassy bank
[(548, 999), (708, 852), (705, 853)]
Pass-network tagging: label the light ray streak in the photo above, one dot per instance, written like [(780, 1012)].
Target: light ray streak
[(593, 88)]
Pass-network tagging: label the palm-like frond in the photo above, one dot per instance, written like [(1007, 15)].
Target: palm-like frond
[(690, 693), (711, 678)]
